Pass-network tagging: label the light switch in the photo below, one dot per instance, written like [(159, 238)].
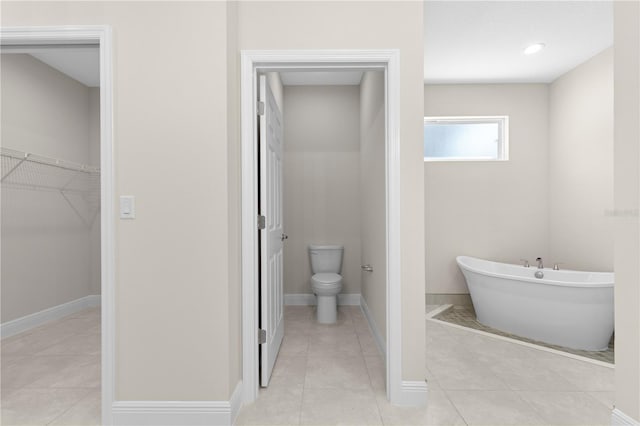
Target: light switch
[(127, 207)]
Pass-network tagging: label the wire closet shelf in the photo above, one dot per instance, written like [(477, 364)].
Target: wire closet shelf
[(78, 184)]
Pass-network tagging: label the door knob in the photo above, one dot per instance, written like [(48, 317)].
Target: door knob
[(367, 268), (284, 237)]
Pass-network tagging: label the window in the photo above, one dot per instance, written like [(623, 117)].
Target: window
[(466, 138)]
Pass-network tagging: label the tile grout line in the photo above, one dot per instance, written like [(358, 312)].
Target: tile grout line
[(446, 394), (517, 394), (304, 381), (535, 410), (43, 329), (373, 391), (446, 391), (71, 406), (350, 323), (520, 394)]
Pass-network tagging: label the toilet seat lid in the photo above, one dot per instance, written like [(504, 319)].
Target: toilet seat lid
[(326, 278)]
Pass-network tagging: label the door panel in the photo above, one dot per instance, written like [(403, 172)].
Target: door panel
[(271, 238)]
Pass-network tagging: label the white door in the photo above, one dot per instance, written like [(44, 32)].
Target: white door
[(271, 237)]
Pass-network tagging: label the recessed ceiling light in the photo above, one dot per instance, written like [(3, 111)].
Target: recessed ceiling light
[(534, 48)]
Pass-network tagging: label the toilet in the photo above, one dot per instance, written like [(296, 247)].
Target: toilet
[(326, 281)]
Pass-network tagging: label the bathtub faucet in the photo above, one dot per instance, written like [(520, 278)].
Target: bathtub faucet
[(526, 263), (540, 265)]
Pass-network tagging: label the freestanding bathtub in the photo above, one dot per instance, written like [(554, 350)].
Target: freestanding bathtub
[(568, 308)]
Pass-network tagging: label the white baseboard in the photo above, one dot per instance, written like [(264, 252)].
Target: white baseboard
[(299, 299), (236, 403), (19, 325), (413, 394), (93, 300), (178, 413), (380, 342), (618, 418), (309, 299), (349, 299)]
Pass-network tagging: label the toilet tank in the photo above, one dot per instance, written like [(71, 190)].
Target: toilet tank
[(326, 258)]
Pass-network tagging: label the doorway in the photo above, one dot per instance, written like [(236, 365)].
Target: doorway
[(87, 193), (254, 63)]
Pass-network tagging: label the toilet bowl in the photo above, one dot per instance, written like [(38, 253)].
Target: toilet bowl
[(326, 281), (326, 287)]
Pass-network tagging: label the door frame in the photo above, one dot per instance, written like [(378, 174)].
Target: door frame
[(99, 35), (252, 62)]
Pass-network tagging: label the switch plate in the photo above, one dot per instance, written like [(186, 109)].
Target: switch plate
[(127, 207)]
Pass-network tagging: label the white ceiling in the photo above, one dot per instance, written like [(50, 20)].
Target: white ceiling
[(323, 78), (482, 41), (81, 63), (465, 42)]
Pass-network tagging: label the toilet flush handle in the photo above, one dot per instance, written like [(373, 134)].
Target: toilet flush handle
[(367, 268)]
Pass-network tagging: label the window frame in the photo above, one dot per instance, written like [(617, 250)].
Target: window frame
[(503, 133)]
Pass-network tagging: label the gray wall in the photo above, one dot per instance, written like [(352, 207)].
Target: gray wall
[(176, 127), (48, 254), (491, 210), (627, 204), (94, 158), (581, 166), (550, 199), (373, 204), (321, 180)]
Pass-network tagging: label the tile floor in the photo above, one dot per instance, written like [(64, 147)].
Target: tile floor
[(51, 374), (335, 375), (327, 375), (495, 382), (324, 374)]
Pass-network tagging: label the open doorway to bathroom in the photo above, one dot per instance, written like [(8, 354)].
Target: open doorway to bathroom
[(383, 65), (322, 181), (55, 133), (331, 165)]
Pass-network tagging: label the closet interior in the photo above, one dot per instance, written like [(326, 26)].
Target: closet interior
[(50, 230)]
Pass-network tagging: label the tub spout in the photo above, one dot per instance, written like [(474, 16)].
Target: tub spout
[(540, 265)]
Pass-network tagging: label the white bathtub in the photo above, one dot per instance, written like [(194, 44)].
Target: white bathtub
[(567, 308)]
